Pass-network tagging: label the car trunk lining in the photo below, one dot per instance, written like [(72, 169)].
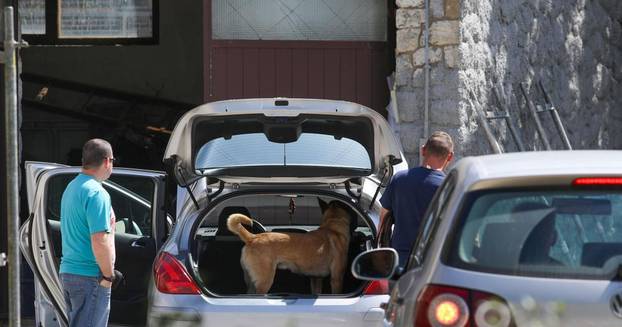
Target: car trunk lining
[(218, 255)]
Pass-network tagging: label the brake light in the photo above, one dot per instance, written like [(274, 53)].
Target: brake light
[(443, 306), (377, 287), (448, 310), (171, 277), (585, 181)]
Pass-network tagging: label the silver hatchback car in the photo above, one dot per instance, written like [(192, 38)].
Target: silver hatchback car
[(526, 239), (271, 159)]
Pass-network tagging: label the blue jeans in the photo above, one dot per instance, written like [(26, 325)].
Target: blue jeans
[(88, 303)]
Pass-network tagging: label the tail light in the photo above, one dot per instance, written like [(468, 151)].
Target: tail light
[(448, 310), (593, 181), (443, 306), (490, 311), (377, 287), (171, 277)]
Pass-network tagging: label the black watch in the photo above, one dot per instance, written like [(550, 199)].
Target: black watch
[(110, 279)]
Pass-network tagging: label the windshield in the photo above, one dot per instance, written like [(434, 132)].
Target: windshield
[(254, 149), (573, 234)]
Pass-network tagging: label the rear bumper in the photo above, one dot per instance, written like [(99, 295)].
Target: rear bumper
[(198, 310), (174, 317)]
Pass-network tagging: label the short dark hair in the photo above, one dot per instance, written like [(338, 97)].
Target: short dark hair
[(439, 144), (94, 152)]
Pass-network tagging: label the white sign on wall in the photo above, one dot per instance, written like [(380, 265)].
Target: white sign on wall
[(88, 19)]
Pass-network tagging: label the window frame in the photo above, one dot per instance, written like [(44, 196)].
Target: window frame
[(52, 27)]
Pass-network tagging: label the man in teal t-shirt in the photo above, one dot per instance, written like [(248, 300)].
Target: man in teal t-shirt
[(87, 231)]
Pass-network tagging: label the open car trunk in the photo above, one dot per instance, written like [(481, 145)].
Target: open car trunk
[(217, 251)]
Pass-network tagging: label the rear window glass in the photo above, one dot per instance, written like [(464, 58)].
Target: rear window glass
[(310, 149), (573, 234)]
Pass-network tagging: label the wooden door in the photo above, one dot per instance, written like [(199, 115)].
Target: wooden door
[(280, 61)]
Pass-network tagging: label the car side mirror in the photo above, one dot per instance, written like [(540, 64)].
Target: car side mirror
[(375, 264)]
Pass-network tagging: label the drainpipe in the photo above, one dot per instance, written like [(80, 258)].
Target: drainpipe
[(426, 68)]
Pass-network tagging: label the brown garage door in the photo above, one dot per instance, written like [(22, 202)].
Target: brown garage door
[(329, 49)]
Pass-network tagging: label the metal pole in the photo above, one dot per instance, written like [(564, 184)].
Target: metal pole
[(426, 97), (12, 189), (556, 119), (426, 87), (560, 128), (505, 107), (484, 122), (534, 114)]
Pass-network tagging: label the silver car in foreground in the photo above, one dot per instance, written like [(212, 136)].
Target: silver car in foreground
[(271, 159), (526, 239)]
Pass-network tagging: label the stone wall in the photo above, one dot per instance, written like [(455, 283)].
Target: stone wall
[(574, 47), (410, 71)]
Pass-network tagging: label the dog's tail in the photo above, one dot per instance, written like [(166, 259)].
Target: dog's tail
[(234, 224)]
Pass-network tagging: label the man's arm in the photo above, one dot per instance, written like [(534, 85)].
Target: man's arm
[(104, 252), (99, 215)]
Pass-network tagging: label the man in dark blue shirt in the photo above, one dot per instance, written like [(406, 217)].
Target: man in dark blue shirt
[(410, 192)]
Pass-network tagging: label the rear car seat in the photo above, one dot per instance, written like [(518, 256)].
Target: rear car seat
[(595, 254), (219, 261)]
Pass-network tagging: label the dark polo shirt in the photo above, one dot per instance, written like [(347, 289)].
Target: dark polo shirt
[(407, 196)]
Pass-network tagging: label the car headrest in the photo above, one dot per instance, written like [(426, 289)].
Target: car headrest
[(501, 244), (595, 254), (224, 215)]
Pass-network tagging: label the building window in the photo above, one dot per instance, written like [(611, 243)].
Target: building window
[(89, 21), (323, 20), (32, 16)]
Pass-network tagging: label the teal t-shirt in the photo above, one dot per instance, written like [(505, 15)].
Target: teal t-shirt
[(84, 210)]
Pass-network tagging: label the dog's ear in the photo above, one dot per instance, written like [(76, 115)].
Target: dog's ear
[(323, 205)]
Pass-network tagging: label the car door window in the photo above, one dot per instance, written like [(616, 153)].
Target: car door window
[(131, 198), (432, 218), (132, 208), (56, 187)]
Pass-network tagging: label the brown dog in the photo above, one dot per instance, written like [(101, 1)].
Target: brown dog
[(317, 254)]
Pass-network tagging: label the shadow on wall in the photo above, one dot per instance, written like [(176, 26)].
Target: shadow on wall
[(574, 47)]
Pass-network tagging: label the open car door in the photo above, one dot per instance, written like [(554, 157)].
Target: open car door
[(137, 198)]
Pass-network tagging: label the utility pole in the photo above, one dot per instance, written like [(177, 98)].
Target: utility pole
[(12, 259)]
